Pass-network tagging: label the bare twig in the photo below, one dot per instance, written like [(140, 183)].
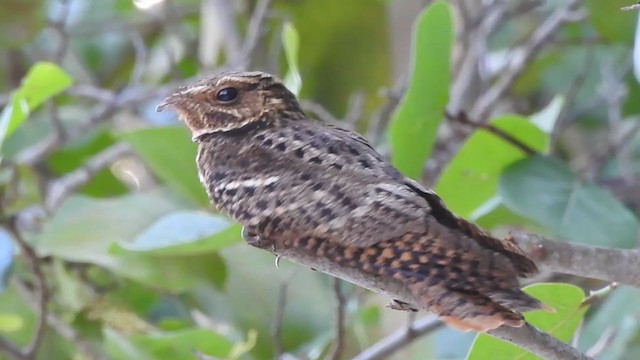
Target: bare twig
[(382, 117), (140, 62), (612, 265), (320, 111), (59, 189), (276, 326), (400, 338), (631, 7), (543, 34), (61, 327), (254, 33), (462, 118), (598, 161), (104, 111), (29, 254), (59, 27), (338, 343)]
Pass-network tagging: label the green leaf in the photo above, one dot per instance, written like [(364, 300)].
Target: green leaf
[(291, 41), (480, 161), (414, 125), (10, 323), (566, 299), (72, 293), (85, 230), (618, 315), (611, 23), (336, 66), (544, 189), (185, 233), (17, 317), (43, 81), (77, 152), (182, 344), (171, 155)]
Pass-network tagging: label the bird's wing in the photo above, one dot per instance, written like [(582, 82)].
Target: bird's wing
[(308, 179), (326, 182)]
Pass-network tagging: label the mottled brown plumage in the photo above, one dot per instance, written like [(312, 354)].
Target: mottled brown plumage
[(318, 191)]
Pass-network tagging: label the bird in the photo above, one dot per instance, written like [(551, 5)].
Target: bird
[(313, 188)]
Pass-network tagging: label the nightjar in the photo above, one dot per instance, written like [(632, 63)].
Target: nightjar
[(323, 197)]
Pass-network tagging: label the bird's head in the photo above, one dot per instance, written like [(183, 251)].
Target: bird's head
[(229, 101)]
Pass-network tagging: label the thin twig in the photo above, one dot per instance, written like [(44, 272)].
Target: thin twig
[(537, 342), (381, 118), (338, 343), (59, 189), (631, 7), (598, 161), (543, 35), (30, 256), (276, 326), (462, 119), (254, 33), (399, 339), (61, 327)]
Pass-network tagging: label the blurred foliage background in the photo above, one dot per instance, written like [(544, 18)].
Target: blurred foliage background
[(109, 249)]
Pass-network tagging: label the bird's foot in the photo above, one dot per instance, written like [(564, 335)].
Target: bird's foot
[(252, 238), (401, 306)]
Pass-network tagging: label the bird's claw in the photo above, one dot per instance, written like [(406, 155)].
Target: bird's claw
[(250, 237)]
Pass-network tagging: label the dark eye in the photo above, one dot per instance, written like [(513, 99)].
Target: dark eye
[(227, 94)]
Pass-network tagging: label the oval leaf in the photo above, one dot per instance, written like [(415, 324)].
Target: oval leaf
[(184, 233), (480, 161), (415, 123), (544, 190), (72, 235), (43, 81)]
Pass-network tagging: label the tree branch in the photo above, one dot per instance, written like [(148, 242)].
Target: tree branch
[(612, 265), (399, 339), (527, 338), (543, 34), (59, 189), (537, 342)]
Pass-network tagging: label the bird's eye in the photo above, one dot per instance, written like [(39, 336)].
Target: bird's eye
[(227, 94)]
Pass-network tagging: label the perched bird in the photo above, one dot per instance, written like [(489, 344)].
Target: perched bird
[(322, 196)]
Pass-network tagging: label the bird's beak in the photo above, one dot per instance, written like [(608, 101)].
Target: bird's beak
[(168, 102)]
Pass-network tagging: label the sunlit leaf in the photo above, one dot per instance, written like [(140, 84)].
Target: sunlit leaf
[(413, 127), (10, 323), (544, 190), (564, 298), (291, 41), (480, 161), (72, 235), (43, 81)]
